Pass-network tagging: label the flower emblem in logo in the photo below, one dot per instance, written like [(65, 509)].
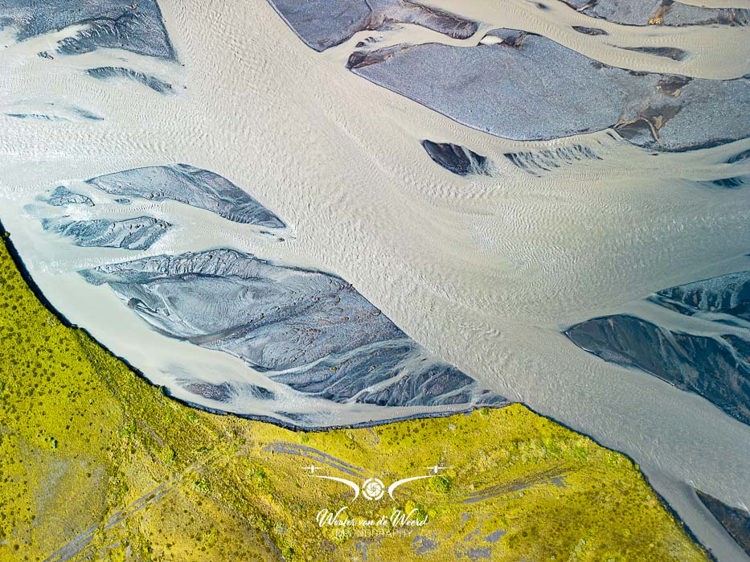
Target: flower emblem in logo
[(373, 489)]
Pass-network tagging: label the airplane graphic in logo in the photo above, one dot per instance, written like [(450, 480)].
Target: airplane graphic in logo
[(373, 489)]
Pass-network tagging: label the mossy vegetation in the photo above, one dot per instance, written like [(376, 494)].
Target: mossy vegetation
[(95, 463)]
